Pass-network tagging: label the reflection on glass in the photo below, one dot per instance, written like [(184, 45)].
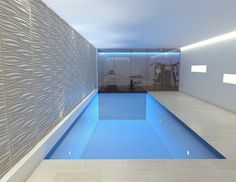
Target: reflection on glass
[(138, 70)]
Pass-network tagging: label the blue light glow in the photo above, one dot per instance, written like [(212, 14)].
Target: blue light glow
[(139, 53)]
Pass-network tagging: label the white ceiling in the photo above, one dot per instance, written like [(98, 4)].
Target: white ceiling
[(147, 23)]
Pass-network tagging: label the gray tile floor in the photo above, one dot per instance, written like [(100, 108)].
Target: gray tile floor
[(217, 126)]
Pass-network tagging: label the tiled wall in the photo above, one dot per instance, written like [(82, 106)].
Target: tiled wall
[(46, 69)]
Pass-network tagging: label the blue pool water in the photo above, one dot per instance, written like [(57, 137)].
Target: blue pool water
[(130, 126)]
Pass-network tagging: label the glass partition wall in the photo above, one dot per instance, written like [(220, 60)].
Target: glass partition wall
[(138, 70)]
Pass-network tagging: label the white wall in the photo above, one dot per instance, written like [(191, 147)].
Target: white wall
[(220, 58)]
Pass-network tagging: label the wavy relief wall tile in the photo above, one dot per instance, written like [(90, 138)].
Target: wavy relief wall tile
[(56, 58), (86, 68), (72, 95), (78, 66), (19, 77), (82, 66), (93, 68), (69, 56), (5, 155), (48, 67), (90, 77), (44, 86), (65, 44)]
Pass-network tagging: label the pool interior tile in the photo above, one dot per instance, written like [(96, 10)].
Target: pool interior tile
[(114, 140), (159, 136)]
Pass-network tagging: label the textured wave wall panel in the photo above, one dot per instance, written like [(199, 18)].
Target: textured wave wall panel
[(41, 59), (56, 60), (5, 155), (46, 69), (19, 77)]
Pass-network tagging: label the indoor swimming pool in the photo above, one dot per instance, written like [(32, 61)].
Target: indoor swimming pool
[(130, 126)]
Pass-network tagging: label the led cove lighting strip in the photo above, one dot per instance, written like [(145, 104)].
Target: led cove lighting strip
[(139, 53), (217, 39), (229, 78)]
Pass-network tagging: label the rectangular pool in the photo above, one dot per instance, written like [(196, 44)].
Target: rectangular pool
[(130, 126)]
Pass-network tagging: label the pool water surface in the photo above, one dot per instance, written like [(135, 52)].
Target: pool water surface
[(130, 126)]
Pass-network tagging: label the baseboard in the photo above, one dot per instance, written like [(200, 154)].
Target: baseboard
[(24, 168)]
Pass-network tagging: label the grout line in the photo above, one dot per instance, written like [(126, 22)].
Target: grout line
[(102, 176), (150, 175)]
